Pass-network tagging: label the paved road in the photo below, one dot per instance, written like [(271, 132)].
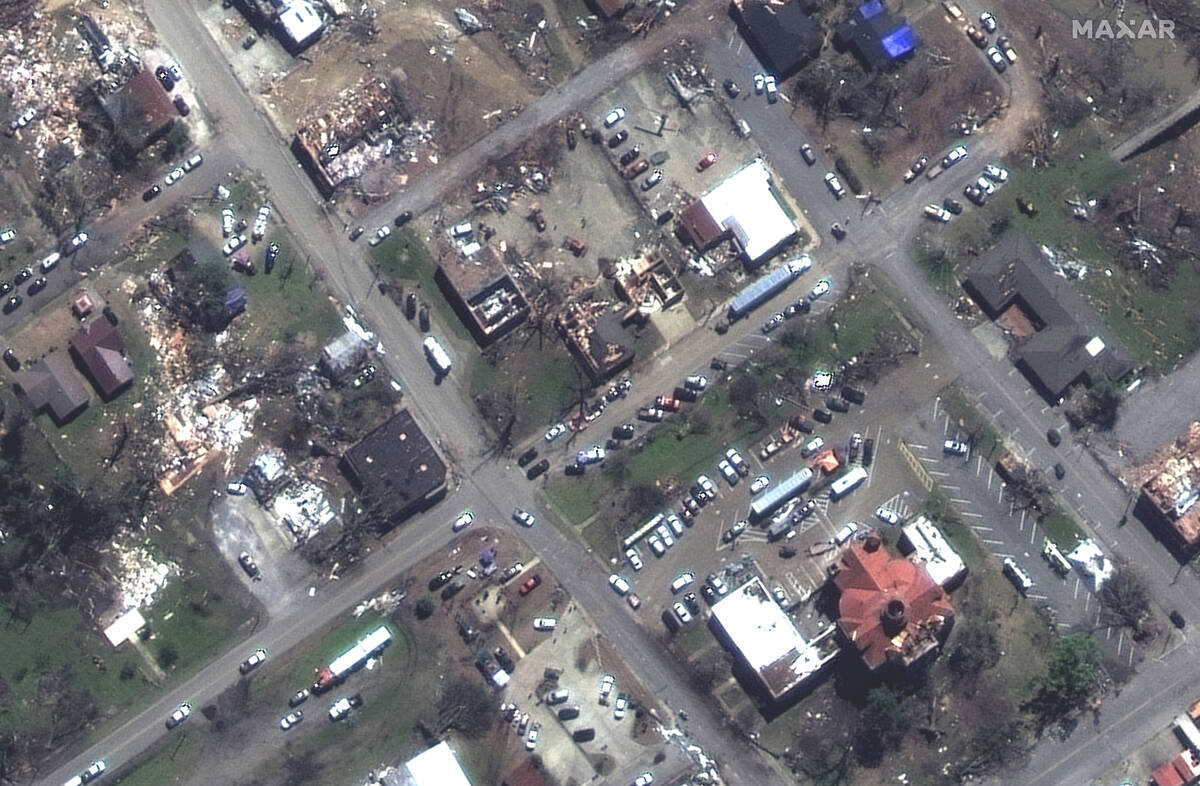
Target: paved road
[(490, 487)]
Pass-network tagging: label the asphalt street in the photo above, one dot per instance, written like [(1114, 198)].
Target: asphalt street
[(489, 487)]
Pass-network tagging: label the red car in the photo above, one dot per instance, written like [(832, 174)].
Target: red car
[(530, 584), (706, 162)]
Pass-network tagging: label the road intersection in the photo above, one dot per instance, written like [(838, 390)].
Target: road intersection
[(493, 488)]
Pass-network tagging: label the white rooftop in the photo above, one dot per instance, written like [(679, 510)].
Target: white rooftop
[(1091, 560), (1095, 346), (766, 638), (437, 766), (300, 22), (930, 548), (745, 204)]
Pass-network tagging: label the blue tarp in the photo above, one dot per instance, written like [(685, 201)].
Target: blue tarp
[(900, 42), (871, 8)]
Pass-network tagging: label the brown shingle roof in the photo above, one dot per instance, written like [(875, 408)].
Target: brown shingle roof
[(50, 384), (99, 349)]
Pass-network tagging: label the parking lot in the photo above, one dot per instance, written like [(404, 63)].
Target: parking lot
[(979, 494)]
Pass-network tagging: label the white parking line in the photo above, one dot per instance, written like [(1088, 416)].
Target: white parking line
[(948, 487), (992, 542), (936, 401), (1024, 511), (978, 465), (1000, 496), (1037, 597), (982, 527), (938, 473), (972, 515), (1032, 534), (917, 446), (958, 501), (990, 474)]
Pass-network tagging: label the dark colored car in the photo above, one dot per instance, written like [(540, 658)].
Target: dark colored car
[(568, 713), (271, 255), (1053, 437), (953, 205), (181, 106), (151, 192), (13, 304), (1060, 471), (822, 416), (625, 431), (356, 233), (617, 139), (23, 276), (404, 218), (836, 404), (527, 457), (249, 565), (1177, 619), (731, 88), (5, 287), (538, 469), (629, 155), (10, 358), (868, 452), (38, 285), (806, 152), (164, 78), (853, 395), (838, 231), (573, 469)]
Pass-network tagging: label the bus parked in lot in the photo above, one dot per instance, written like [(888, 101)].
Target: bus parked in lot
[(847, 483)]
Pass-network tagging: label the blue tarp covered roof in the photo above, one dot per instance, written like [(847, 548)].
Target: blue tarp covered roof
[(900, 42), (871, 8)]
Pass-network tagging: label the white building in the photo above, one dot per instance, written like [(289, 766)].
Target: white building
[(925, 545), (437, 766), (743, 206), (763, 637), (299, 25)]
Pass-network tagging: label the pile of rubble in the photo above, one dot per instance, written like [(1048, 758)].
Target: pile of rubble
[(139, 575)]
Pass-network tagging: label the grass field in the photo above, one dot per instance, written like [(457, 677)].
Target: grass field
[(539, 375), (287, 306), (986, 441), (1062, 528), (406, 259)]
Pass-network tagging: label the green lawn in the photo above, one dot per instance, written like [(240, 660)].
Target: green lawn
[(194, 615), (407, 260), (986, 441), (538, 374), (1062, 528), (287, 306)]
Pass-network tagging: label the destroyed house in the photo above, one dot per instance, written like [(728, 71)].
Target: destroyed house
[(647, 283), (331, 145), (140, 111), (1169, 500), (100, 352), (876, 38), (396, 465), (51, 385), (593, 340), (781, 34), (343, 355), (1058, 340), (483, 292), (889, 609)]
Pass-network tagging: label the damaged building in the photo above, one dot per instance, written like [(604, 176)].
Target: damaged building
[(781, 34), (140, 111), (743, 208), (1170, 491), (335, 145), (889, 609), (1057, 340), (296, 24), (483, 292), (594, 338), (397, 466), (647, 283)]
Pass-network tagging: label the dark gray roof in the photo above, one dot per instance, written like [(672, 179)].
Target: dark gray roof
[(782, 34), (397, 463), (51, 384), (1014, 272)]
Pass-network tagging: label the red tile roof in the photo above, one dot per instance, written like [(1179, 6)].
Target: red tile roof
[(99, 347), (1177, 772), (889, 609)]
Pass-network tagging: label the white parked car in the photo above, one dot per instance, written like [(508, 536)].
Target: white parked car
[(174, 70), (706, 485), (255, 660), (181, 713), (260, 222), (835, 185), (760, 83), (887, 516), (845, 533), (682, 582), (291, 719), (233, 244), (556, 431), (937, 213), (173, 176), (775, 321), (593, 455), (998, 60), (656, 545), (8, 235), (682, 612), (463, 521), (771, 88), (619, 707), (995, 173), (531, 738), (728, 471), (822, 288), (759, 483), (619, 584), (956, 154), (545, 623), (954, 447), (645, 779), (696, 382), (664, 535), (987, 21), (635, 559), (524, 518), (812, 446), (227, 222), (616, 115), (193, 162), (607, 683), (380, 235)]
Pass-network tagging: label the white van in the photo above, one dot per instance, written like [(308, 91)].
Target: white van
[(681, 583), (437, 355), (1017, 575), (50, 261)]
